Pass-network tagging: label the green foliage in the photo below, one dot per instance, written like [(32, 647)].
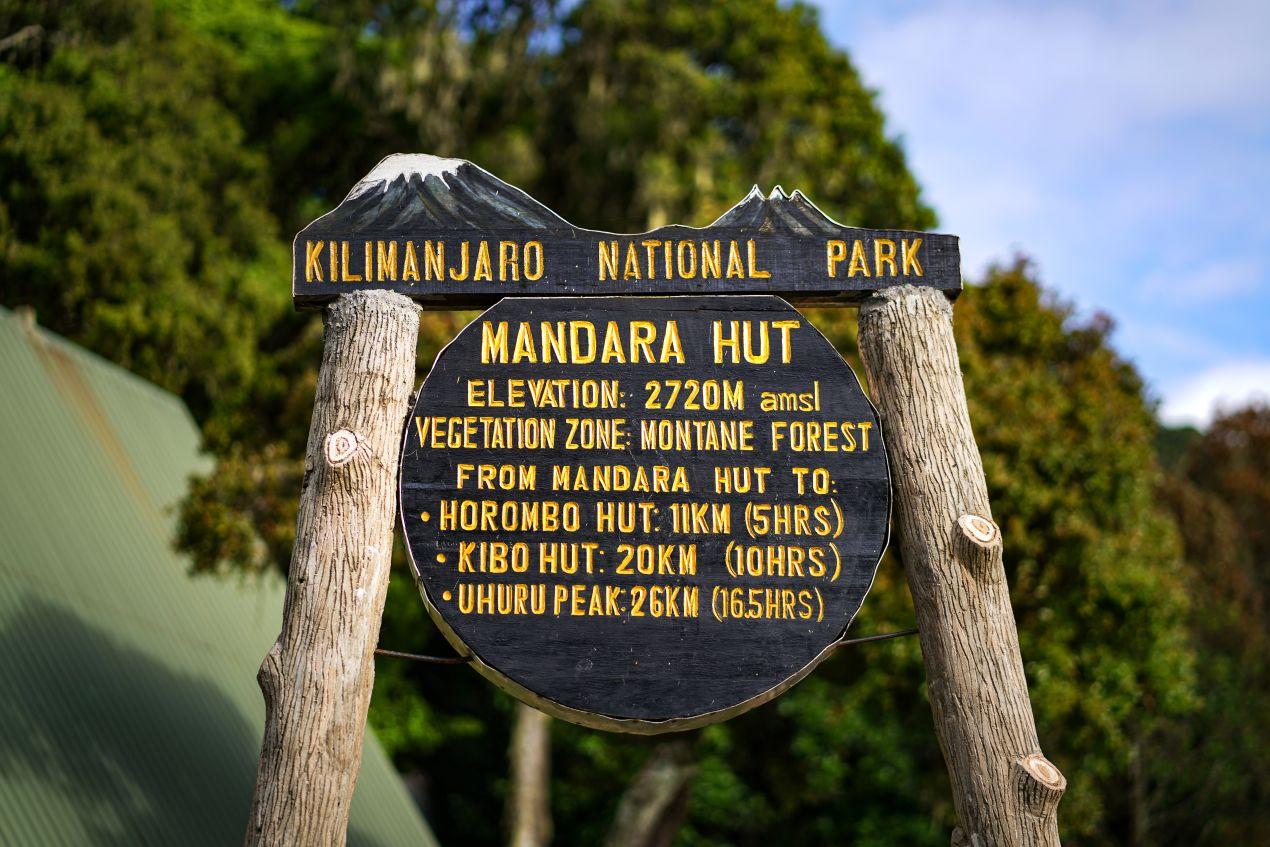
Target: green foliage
[(129, 206), (1093, 563), (1208, 776), (1171, 443), (1232, 462), (155, 156), (683, 106)]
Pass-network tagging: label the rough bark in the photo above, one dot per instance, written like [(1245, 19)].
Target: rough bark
[(317, 677), (654, 805), (1005, 791), (529, 803)]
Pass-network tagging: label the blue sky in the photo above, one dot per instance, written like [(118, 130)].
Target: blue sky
[(1125, 146)]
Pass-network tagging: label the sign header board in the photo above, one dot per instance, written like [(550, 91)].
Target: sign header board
[(451, 235)]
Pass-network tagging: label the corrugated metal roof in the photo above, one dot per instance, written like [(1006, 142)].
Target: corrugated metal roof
[(129, 712)]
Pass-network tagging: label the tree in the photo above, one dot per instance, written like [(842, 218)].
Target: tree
[(1094, 563), (1232, 462), (683, 106), (1207, 775), (130, 213)]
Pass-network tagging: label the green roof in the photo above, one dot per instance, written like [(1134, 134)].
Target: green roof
[(129, 711)]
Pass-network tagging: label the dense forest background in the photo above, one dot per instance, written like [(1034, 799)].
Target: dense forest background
[(157, 155)]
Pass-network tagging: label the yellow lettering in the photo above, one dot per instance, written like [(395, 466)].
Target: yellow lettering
[(532, 260), (386, 260), (464, 252), (484, 270), (608, 260), (719, 342), (493, 342), (553, 341), (508, 259), (434, 260), (751, 262), (859, 263), (735, 269), (711, 266), (524, 348), (671, 346), (835, 254), (784, 328), (579, 330), (613, 344), (687, 269), (313, 261), (410, 265), (884, 255), (631, 268), (650, 248), (643, 333), (908, 252), (345, 274)]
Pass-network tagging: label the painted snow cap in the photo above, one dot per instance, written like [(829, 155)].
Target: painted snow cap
[(777, 213), (407, 192), (406, 165)]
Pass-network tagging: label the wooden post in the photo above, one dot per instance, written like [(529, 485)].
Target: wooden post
[(529, 806), (317, 677), (1005, 791), (654, 805)]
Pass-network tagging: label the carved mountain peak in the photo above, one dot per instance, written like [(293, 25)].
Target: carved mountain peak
[(778, 212), (408, 192)]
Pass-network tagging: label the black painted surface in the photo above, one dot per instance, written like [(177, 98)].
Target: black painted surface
[(652, 669), (466, 204)]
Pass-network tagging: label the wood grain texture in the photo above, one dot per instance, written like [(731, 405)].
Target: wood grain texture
[(1006, 792), (317, 677), (529, 800)]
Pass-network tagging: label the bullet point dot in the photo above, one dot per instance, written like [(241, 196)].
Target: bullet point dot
[(441, 558), (445, 595), (425, 517)]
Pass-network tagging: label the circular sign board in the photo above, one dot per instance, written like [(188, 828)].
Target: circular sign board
[(643, 513)]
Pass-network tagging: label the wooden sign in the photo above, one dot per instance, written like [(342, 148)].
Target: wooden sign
[(638, 512), (451, 235), (643, 513)]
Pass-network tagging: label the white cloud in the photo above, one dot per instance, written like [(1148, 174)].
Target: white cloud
[(1066, 76), (1027, 117), (1186, 348), (1210, 284), (1124, 145), (1224, 386)]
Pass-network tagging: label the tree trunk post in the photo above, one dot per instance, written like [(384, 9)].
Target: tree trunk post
[(317, 677), (655, 803), (529, 803), (1005, 791)]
